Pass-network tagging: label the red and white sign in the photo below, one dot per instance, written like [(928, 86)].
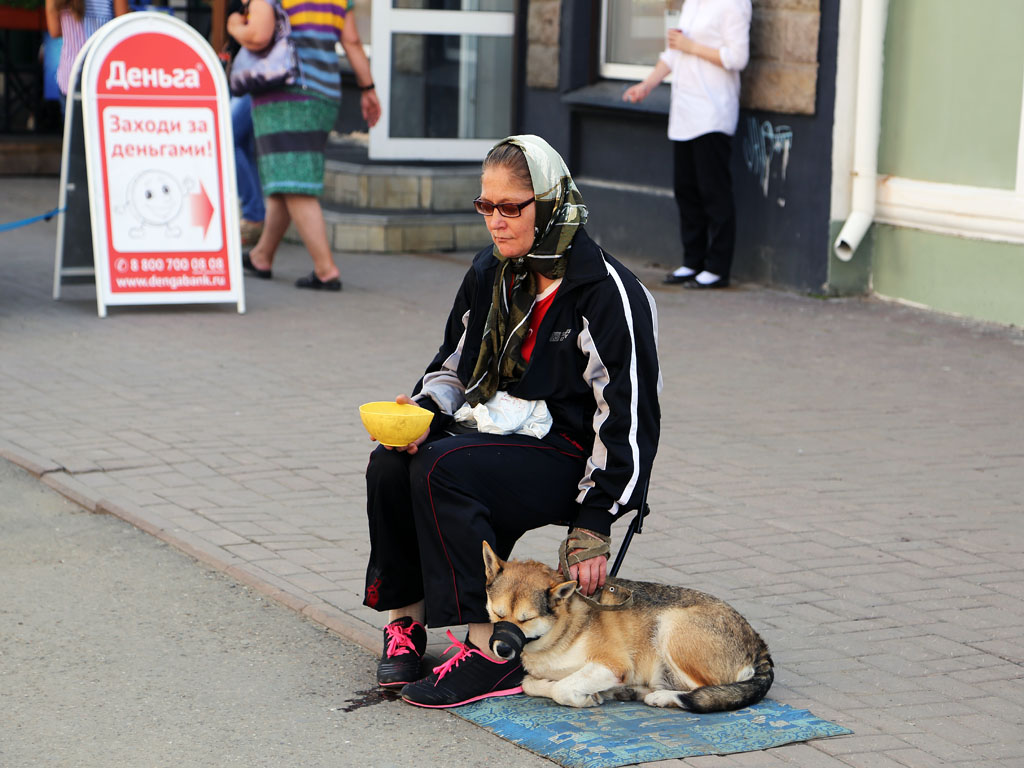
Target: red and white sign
[(161, 166)]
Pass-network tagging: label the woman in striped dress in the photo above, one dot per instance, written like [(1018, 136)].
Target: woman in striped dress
[(75, 21), (292, 124)]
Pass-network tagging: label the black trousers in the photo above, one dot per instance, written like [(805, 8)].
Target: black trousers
[(429, 514), (707, 213)]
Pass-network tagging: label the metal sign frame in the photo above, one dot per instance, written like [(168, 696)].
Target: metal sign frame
[(73, 184)]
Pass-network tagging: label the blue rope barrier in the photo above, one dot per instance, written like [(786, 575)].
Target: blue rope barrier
[(31, 220)]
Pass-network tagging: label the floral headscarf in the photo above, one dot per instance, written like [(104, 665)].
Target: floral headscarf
[(559, 215)]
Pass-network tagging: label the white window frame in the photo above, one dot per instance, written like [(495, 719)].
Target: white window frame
[(388, 21), (611, 70)]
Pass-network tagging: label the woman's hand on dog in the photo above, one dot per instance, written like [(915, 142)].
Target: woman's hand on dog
[(590, 574), (414, 446)]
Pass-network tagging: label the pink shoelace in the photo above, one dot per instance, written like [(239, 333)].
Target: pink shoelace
[(464, 652), (399, 641)]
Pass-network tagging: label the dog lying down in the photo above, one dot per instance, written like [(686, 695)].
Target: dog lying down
[(672, 647)]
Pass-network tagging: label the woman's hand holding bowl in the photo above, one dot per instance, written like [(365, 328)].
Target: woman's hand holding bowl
[(400, 424), (414, 446)]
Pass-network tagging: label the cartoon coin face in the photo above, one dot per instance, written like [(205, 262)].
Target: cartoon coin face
[(156, 197)]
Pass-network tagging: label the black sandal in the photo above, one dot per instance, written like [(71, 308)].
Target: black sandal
[(722, 282), (248, 266), (314, 282)]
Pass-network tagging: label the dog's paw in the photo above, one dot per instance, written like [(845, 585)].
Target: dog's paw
[(537, 686), (662, 699), (577, 699), (628, 693)]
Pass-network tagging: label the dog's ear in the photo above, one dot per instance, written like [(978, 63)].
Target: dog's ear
[(561, 592), (492, 563)]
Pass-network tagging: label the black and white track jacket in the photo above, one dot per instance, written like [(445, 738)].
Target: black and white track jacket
[(595, 364)]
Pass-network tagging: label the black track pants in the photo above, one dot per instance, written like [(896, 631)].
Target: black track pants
[(429, 514), (707, 213)]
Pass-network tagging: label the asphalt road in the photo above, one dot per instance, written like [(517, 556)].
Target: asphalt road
[(116, 650)]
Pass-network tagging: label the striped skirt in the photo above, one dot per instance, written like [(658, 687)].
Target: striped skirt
[(291, 129)]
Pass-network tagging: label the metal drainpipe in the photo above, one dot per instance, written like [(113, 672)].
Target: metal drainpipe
[(867, 127)]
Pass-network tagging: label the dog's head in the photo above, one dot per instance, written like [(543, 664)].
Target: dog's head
[(527, 594)]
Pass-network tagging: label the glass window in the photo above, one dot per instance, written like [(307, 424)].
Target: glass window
[(450, 86), (633, 34)]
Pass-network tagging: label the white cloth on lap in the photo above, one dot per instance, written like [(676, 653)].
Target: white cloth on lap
[(504, 414)]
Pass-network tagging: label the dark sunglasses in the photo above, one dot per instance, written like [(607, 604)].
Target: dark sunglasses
[(508, 210)]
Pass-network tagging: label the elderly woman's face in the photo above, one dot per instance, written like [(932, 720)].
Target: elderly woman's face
[(513, 236)]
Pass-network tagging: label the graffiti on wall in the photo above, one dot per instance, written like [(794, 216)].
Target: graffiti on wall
[(761, 146)]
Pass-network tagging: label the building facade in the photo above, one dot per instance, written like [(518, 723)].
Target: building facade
[(906, 113), (622, 159), (948, 231)]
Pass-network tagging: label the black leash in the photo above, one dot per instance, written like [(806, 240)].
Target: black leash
[(635, 526)]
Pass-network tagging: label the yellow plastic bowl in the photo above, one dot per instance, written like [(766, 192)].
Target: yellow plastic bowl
[(394, 424)]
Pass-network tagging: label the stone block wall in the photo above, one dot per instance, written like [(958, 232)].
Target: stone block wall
[(782, 75), (542, 35)]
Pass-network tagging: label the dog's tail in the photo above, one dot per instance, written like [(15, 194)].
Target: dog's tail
[(719, 698)]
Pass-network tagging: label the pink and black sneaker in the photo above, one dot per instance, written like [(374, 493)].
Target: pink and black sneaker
[(405, 641), (469, 675)]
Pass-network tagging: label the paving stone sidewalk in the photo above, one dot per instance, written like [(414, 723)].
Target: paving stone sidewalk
[(848, 474)]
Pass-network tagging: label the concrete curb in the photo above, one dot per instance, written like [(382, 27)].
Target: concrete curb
[(67, 486), (333, 619), (34, 465)]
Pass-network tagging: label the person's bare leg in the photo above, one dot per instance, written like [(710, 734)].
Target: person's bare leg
[(480, 636), (309, 220), (274, 227), (414, 612)]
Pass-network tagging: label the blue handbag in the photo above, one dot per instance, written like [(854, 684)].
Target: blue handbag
[(274, 67)]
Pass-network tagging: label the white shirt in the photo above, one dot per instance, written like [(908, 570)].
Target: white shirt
[(706, 97)]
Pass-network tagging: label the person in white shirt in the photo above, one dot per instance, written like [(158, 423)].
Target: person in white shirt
[(704, 56)]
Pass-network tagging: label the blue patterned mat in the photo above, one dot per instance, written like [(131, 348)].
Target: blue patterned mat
[(624, 733)]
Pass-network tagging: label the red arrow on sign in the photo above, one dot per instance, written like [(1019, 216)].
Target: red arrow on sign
[(202, 209)]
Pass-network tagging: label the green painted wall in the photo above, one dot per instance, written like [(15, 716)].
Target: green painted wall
[(849, 278), (954, 75), (951, 113), (975, 278)]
